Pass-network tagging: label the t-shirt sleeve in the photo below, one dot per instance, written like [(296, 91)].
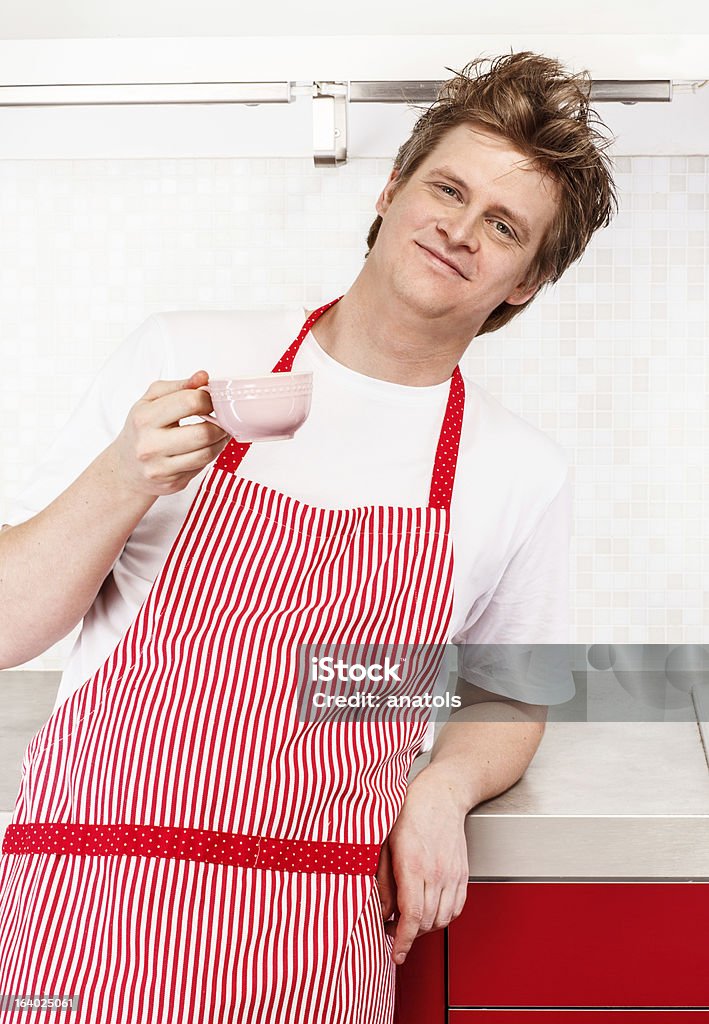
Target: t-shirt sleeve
[(518, 646), (96, 421)]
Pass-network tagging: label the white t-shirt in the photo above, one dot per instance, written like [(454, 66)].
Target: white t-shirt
[(366, 441)]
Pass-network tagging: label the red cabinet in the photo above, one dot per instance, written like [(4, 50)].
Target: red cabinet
[(577, 1016), (521, 945), (421, 982)]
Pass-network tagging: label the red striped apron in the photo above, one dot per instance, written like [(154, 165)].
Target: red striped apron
[(184, 849)]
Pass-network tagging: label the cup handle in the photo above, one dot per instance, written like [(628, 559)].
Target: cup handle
[(211, 418)]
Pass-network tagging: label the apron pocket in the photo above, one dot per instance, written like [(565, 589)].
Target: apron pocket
[(380, 914)]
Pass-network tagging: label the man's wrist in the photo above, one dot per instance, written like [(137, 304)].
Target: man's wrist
[(450, 782)]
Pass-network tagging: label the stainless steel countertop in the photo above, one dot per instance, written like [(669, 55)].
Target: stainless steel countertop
[(600, 800)]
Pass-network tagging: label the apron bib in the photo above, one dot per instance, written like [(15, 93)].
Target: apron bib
[(185, 848)]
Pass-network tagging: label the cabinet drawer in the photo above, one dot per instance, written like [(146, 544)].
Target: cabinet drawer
[(579, 944), (577, 1016)]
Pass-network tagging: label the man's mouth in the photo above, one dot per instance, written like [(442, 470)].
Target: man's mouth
[(440, 261)]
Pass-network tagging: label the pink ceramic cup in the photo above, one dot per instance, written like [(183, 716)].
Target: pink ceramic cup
[(267, 408)]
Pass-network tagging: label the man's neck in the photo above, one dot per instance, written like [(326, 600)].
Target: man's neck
[(374, 341)]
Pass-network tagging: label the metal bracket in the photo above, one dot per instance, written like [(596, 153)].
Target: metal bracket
[(330, 123)]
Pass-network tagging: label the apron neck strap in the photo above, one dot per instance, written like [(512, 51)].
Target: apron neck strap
[(446, 461), (444, 467)]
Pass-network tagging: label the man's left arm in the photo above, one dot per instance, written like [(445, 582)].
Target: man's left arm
[(482, 750), (485, 747)]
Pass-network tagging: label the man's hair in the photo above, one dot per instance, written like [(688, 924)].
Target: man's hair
[(542, 110)]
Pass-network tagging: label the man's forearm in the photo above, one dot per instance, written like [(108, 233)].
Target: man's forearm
[(483, 749), (51, 567)]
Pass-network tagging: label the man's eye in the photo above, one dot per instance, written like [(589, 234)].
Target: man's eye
[(450, 187), (506, 232)]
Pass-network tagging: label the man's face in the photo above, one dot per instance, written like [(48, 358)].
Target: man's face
[(490, 227)]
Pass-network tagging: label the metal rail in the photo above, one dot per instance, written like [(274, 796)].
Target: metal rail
[(330, 99)]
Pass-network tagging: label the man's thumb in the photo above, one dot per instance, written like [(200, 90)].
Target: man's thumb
[(197, 380)]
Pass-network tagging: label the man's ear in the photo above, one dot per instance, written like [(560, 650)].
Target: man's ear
[(387, 194), (523, 292)]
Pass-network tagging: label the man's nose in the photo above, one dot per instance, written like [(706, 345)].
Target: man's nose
[(462, 227)]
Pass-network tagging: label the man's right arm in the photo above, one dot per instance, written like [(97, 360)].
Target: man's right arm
[(52, 566)]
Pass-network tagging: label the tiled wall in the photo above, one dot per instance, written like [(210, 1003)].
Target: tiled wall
[(613, 361)]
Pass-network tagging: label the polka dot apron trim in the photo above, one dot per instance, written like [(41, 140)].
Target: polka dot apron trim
[(192, 844)]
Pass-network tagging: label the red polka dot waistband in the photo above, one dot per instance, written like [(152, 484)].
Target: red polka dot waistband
[(225, 848)]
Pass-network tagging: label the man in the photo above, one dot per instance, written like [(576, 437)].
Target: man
[(498, 190)]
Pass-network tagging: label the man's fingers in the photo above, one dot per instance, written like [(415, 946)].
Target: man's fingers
[(160, 388), (445, 911), (412, 907), (461, 897), (426, 911), (450, 906), (391, 926), (386, 883), (175, 466), (191, 437), (168, 409)]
